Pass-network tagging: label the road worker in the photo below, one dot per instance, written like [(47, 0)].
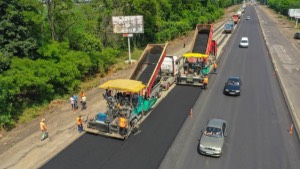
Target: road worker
[(205, 82), (123, 125), (83, 102), (79, 124), (215, 67), (43, 128)]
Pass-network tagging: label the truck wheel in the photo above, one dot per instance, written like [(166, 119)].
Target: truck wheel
[(133, 122), (168, 86), (158, 94)]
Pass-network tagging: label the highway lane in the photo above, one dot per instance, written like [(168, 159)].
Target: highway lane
[(258, 120), (144, 150)]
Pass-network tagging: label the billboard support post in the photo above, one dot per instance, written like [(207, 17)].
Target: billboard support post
[(128, 35), (128, 25), (129, 52)]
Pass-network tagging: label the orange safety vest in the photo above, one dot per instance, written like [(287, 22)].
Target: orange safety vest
[(205, 80), (123, 122), (215, 65), (43, 126), (79, 121), (82, 94)]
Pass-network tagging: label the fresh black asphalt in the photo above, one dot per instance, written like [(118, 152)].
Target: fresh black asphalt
[(142, 151), (149, 67), (201, 42)]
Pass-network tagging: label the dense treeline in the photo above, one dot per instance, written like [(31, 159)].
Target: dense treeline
[(283, 6), (47, 47)]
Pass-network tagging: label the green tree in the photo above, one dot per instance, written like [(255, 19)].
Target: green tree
[(19, 29)]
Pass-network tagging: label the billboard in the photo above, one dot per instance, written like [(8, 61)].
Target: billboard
[(294, 13), (128, 24)]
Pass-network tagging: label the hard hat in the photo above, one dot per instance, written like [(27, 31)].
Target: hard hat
[(43, 120)]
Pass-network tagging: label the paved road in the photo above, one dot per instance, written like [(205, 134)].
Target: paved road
[(145, 150), (285, 57), (258, 120)]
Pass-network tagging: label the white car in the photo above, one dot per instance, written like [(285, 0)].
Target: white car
[(244, 42), (248, 18)]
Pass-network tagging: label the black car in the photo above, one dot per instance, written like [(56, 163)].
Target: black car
[(297, 35), (233, 86)]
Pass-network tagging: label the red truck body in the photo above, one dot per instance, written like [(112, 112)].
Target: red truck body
[(235, 18)]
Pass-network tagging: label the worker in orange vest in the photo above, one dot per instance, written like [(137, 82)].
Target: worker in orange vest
[(205, 82), (215, 67), (43, 128), (123, 125), (79, 124)]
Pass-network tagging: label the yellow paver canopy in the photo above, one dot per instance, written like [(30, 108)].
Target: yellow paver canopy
[(195, 55), (125, 85)]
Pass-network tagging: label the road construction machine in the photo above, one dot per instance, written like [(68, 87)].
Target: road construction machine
[(198, 62), (126, 109)]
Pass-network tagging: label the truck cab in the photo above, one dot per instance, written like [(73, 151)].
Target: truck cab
[(169, 70)]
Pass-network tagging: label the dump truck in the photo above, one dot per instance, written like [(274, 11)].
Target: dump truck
[(235, 18), (148, 69), (229, 26), (127, 108), (169, 69), (196, 63)]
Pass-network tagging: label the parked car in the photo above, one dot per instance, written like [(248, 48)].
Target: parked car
[(244, 42), (248, 18), (213, 138), (297, 35), (233, 86)]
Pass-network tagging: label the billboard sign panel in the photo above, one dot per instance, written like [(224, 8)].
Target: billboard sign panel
[(294, 13), (128, 24)]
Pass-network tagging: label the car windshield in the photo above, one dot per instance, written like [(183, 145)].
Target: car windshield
[(233, 83), (244, 41), (213, 132)]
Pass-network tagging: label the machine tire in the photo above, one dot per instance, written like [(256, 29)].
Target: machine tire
[(158, 94), (133, 122)]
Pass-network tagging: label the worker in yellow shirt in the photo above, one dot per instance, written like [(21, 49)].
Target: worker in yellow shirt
[(43, 128), (205, 82)]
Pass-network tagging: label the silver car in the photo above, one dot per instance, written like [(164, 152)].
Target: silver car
[(212, 139)]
